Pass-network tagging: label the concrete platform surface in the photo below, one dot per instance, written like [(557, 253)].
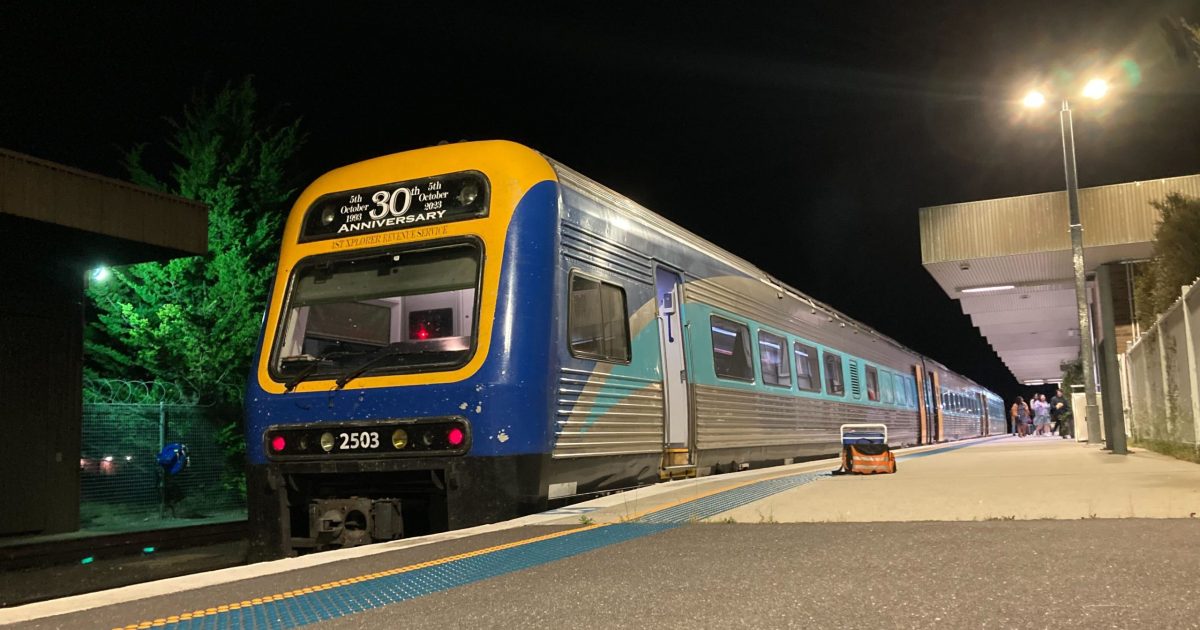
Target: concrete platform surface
[(997, 479)]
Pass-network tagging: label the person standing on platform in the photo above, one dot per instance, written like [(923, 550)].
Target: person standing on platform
[(1020, 416), (1060, 412), (1029, 418), (1041, 415)]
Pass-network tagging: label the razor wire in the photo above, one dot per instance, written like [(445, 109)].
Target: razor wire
[(111, 391)]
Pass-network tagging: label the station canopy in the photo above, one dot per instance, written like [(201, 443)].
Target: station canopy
[(1008, 263), (84, 219)]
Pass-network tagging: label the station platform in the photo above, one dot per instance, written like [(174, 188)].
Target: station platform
[(994, 532)]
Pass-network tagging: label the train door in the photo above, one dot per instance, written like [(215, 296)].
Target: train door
[(922, 406), (677, 440), (984, 422), (933, 407)]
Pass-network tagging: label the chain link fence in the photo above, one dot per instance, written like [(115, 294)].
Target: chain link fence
[(1162, 375), (126, 424)]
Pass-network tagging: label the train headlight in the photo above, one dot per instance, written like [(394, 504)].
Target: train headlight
[(468, 194), (399, 439), (326, 442), (328, 216)]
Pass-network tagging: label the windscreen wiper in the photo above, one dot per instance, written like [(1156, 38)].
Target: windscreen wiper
[(374, 358), (313, 364)]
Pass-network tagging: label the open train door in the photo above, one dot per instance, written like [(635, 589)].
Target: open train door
[(678, 455), (922, 406), (930, 407), (985, 423), (935, 405)]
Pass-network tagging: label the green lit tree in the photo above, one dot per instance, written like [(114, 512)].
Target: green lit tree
[(1176, 260), (194, 321)]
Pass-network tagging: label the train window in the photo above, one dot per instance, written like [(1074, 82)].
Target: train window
[(834, 383), (808, 370), (885, 388), (343, 310), (731, 349), (773, 360), (872, 383), (597, 320)]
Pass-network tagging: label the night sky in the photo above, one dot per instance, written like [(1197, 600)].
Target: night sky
[(803, 137)]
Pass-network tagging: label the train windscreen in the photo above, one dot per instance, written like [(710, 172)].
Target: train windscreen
[(378, 313)]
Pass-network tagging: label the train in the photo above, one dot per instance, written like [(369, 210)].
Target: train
[(469, 332)]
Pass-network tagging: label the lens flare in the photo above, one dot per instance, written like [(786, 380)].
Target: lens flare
[(1034, 99), (1095, 89)]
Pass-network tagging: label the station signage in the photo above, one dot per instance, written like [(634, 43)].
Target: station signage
[(398, 205)]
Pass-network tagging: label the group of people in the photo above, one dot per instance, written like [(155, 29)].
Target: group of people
[(1039, 417)]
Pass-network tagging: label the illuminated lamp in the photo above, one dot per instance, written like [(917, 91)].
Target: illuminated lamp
[(998, 287), (455, 436), (278, 443)]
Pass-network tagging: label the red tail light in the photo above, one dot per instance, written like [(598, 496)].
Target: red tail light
[(278, 443), (455, 436)]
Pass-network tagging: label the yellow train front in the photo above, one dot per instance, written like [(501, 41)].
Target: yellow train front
[(404, 350)]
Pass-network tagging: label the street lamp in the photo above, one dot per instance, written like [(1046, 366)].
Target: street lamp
[(1095, 89)]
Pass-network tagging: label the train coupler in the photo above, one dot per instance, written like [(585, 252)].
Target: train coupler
[(354, 521)]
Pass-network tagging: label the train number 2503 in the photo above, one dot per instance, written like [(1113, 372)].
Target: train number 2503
[(351, 441)]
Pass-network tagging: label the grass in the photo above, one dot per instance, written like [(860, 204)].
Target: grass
[(585, 520), (1178, 450)]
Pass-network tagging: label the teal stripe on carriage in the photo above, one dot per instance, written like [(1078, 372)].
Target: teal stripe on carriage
[(645, 351)]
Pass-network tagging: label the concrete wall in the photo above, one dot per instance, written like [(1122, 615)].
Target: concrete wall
[(40, 394)]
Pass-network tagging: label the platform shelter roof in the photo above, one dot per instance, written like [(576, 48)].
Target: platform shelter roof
[(94, 218), (1008, 262)]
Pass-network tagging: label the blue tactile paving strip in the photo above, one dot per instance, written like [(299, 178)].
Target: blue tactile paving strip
[(709, 506), (346, 597), (947, 449)]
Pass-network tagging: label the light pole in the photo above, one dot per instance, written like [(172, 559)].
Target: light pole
[(1095, 89)]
